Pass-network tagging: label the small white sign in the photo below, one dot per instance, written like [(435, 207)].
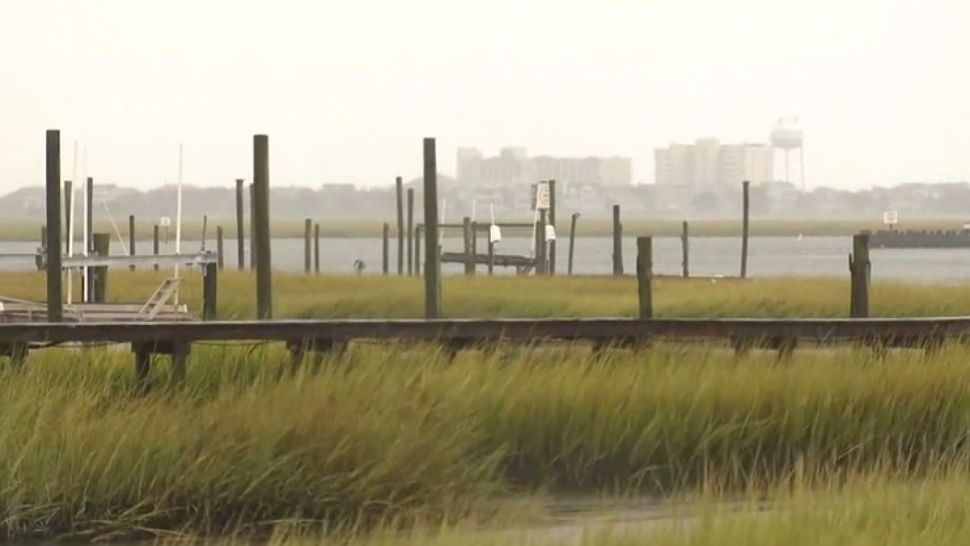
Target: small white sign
[(164, 221), (494, 234), (542, 199), (550, 232), (890, 217)]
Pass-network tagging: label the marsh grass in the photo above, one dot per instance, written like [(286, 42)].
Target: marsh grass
[(310, 296), (402, 434)]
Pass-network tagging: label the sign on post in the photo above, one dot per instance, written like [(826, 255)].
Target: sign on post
[(890, 218), (540, 200)]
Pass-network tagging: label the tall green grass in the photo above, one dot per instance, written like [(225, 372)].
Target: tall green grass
[(403, 434), (309, 296)]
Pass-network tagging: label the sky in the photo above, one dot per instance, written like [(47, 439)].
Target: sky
[(346, 90)]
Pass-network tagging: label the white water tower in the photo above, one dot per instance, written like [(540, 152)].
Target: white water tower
[(787, 136)]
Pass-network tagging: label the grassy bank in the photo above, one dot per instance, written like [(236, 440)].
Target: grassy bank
[(307, 296), (399, 434), (593, 227)]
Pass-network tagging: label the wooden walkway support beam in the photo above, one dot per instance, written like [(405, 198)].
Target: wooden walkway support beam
[(745, 209), (432, 259), (551, 267), (645, 276), (399, 188), (99, 274), (685, 249), (240, 227), (264, 273), (617, 242), (572, 241), (410, 231), (466, 233), (316, 248), (385, 249), (131, 238), (155, 244), (220, 256), (859, 270), (55, 294), (307, 245), (210, 287)]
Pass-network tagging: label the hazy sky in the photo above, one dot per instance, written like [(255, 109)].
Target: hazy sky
[(347, 89)]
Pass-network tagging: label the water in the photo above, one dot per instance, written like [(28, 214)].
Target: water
[(768, 256)]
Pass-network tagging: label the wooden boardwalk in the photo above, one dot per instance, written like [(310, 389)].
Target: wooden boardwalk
[(891, 331)]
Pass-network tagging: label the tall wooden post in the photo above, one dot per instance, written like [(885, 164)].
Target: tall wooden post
[(99, 275), (155, 244), (466, 232), (859, 269), (240, 228), (210, 284), (55, 295), (541, 263), (307, 247), (551, 267), (264, 274), (131, 239), (385, 248), (68, 214), (432, 259), (617, 242), (685, 249), (399, 187), (316, 248), (410, 231), (417, 250), (645, 276), (491, 256), (572, 240), (252, 226), (89, 244), (745, 205), (219, 248)]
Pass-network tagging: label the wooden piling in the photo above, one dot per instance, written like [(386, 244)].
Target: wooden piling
[(219, 248), (745, 206), (68, 214), (417, 250), (399, 187), (307, 247), (264, 274), (466, 232), (240, 229), (541, 263), (55, 295), (89, 244), (210, 284), (410, 231), (155, 244), (432, 260), (617, 242), (316, 248), (131, 239), (551, 262), (39, 260), (859, 270), (99, 274), (572, 241), (685, 249), (491, 256), (252, 227), (645, 276), (385, 248)]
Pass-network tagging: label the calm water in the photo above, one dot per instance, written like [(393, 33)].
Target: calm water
[(768, 256)]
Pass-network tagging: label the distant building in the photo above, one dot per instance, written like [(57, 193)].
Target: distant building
[(707, 163), (513, 166)]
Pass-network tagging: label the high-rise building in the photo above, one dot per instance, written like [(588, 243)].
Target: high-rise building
[(707, 163), (514, 166)]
